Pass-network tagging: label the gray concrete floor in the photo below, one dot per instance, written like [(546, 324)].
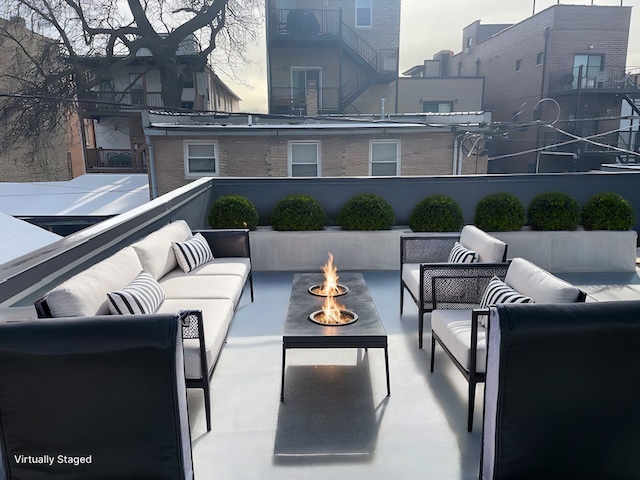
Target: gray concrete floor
[(336, 421)]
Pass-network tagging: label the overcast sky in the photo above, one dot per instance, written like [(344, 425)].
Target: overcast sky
[(428, 26)]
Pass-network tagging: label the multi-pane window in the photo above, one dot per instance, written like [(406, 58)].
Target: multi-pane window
[(518, 65), (200, 158), (540, 58), (384, 157), (304, 159), (437, 107), (363, 13)]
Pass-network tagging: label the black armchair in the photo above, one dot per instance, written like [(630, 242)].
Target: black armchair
[(98, 397)]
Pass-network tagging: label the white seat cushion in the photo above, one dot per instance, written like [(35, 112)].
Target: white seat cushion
[(488, 248), (543, 287), (225, 266), (85, 294), (155, 251), (411, 278), (216, 315), (177, 284), (453, 327)]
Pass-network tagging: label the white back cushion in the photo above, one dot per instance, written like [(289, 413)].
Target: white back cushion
[(155, 250), (85, 294), (488, 248), (543, 287)]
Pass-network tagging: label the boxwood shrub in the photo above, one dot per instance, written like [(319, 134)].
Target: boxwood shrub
[(607, 211), (233, 211), (366, 211), (553, 211), (436, 213), (500, 212), (297, 212)]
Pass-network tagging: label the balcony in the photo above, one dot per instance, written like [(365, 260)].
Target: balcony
[(349, 428), (618, 80), (129, 101), (303, 27), (293, 101), (105, 160)]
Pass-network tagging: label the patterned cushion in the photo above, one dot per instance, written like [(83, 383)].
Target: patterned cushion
[(142, 296), (498, 292), (192, 253), (459, 254)]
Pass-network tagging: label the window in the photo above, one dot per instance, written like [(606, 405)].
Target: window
[(437, 107), (304, 159), (200, 158), (518, 65), (469, 42), (363, 14), (384, 157), (591, 65), (540, 58)]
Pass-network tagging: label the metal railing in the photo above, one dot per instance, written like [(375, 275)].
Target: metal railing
[(589, 78), (111, 160), (294, 100), (299, 21), (119, 101)]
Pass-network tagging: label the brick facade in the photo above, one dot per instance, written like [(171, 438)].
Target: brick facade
[(423, 152), (573, 29)]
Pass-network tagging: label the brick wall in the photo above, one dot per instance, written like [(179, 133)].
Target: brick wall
[(340, 155)]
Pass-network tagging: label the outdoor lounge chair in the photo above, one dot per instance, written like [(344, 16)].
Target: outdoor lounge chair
[(99, 398), (561, 396)]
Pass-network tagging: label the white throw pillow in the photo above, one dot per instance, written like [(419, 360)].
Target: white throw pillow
[(192, 253), (459, 254), (498, 292), (142, 296)]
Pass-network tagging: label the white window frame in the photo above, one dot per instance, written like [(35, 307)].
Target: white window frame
[(188, 174), (398, 144), (318, 163), (355, 21)]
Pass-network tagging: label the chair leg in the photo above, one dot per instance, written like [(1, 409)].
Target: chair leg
[(207, 406), (251, 284), (420, 326), (433, 351), (401, 297), (472, 399)]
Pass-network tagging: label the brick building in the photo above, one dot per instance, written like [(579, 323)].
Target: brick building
[(189, 148), (346, 49), (572, 55)]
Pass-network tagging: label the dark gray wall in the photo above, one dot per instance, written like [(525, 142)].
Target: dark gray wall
[(404, 193)]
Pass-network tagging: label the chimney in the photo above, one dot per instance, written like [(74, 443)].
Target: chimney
[(312, 98)]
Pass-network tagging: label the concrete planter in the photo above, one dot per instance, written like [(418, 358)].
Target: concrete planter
[(308, 251), (574, 251)]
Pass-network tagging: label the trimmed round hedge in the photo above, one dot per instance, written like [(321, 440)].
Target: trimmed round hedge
[(553, 211), (297, 212), (436, 213), (233, 211), (500, 212), (607, 211), (366, 211)]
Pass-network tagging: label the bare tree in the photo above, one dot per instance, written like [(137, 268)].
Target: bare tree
[(47, 63)]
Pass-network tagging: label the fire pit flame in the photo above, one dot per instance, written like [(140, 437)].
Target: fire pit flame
[(332, 312)]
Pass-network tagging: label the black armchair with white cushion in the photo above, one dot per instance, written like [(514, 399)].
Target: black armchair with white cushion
[(561, 395), (425, 257), (462, 333), (100, 397)]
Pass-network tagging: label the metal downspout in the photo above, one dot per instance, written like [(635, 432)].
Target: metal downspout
[(152, 168)]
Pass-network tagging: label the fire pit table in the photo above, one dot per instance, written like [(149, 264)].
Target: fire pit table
[(300, 331)]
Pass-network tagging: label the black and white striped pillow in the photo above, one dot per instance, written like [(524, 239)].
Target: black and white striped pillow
[(142, 296), (459, 254), (192, 253), (499, 292)]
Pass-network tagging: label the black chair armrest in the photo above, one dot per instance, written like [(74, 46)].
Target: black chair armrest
[(433, 248), (457, 285), (227, 242)]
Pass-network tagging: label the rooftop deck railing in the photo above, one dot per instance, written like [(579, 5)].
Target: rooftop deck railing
[(27, 278)]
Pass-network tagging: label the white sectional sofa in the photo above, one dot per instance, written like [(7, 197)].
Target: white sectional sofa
[(210, 291), (462, 332)]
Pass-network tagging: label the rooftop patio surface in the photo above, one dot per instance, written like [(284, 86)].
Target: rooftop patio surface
[(337, 421)]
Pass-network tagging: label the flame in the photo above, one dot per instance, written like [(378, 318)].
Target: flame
[(332, 311), (330, 285)]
